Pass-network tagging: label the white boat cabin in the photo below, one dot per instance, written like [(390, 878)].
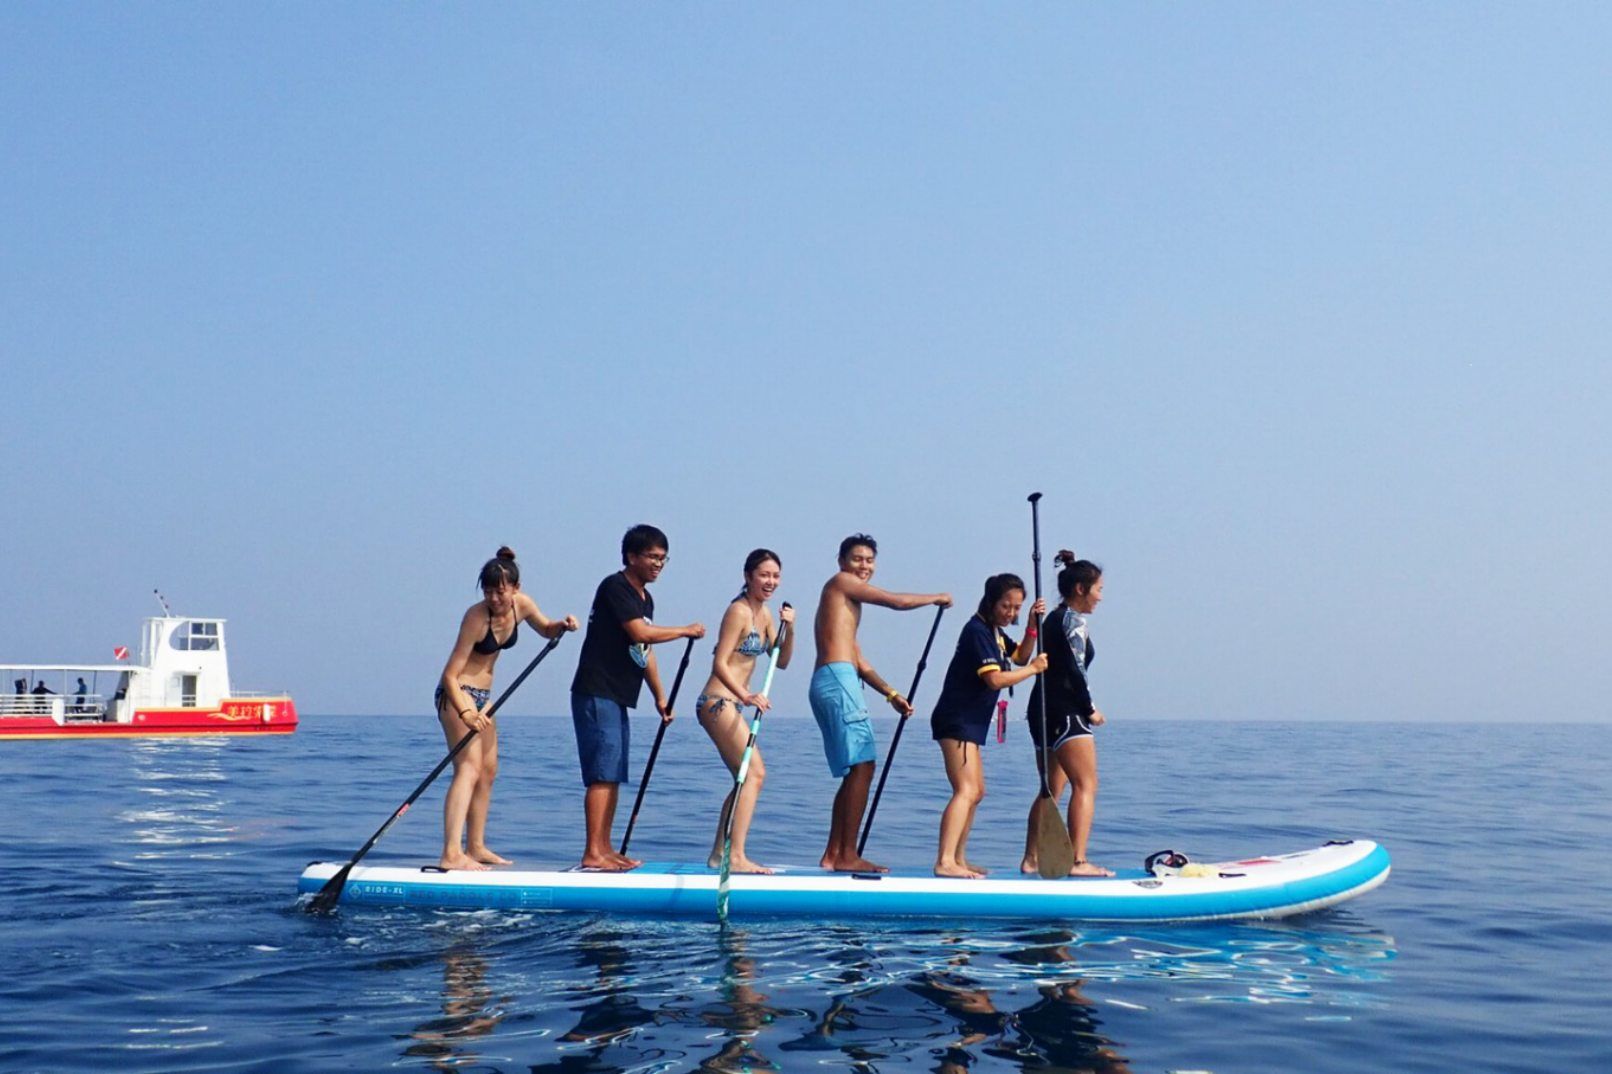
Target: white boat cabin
[(183, 665)]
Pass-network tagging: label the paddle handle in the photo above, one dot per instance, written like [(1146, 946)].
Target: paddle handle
[(884, 773), (654, 751), (1035, 556)]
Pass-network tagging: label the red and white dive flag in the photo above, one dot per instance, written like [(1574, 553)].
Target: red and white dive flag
[(120, 653)]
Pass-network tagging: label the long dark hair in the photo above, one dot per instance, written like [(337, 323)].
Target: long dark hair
[(1078, 575), (996, 587), (501, 568)]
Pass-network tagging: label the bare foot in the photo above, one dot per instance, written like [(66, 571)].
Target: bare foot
[(626, 862), (1086, 868), (979, 870), (614, 863), (961, 872), (745, 865), (856, 865), (484, 855), (463, 862), (1029, 865)]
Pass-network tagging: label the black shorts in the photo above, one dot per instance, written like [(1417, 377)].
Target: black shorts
[(1061, 727)]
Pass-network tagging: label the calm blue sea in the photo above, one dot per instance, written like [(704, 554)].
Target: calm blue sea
[(150, 921)]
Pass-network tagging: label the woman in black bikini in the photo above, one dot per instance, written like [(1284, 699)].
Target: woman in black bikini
[(462, 697), (747, 633)]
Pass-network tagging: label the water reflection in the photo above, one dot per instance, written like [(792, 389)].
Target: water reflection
[(470, 1010), (614, 996)]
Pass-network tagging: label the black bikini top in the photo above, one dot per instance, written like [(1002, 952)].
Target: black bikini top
[(489, 644)]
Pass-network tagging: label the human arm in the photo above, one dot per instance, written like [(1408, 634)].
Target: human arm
[(652, 680), (549, 628), (865, 672), (458, 701), (858, 590), (1027, 644), (641, 631), (1002, 679)]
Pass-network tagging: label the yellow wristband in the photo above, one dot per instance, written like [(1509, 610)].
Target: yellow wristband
[(892, 694)]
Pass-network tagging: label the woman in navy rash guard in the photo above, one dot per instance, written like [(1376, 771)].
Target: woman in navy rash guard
[(980, 669), (1070, 712)]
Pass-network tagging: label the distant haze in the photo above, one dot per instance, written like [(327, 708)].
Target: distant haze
[(1298, 316)]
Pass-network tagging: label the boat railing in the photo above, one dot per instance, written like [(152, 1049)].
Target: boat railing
[(58, 707), (257, 695)]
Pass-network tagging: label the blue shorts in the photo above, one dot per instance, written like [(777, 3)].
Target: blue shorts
[(602, 738), (836, 697)]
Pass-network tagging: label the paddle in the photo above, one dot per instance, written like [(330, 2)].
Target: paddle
[(738, 779), (654, 751), (896, 738), (1055, 855), (328, 896)]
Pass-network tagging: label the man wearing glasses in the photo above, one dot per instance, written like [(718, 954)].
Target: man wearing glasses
[(618, 656)]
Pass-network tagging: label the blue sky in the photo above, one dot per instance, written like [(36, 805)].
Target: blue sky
[(1297, 314)]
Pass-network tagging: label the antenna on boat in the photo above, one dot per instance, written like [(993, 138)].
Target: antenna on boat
[(165, 612)]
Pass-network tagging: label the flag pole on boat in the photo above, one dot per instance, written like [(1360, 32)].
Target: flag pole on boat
[(1055, 855), (654, 751), (739, 776), (878, 792), (328, 896)]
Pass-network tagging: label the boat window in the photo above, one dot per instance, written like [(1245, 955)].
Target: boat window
[(196, 637)]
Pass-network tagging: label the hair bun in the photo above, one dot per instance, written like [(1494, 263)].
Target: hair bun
[(505, 552), (1064, 556)]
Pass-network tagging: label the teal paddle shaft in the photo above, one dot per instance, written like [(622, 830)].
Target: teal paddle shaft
[(739, 777), (329, 895)]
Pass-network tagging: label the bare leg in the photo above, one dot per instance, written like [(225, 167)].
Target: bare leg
[(599, 812), (730, 733), (455, 807), (968, 787), (849, 805), (1055, 782), (481, 799), (1078, 758)]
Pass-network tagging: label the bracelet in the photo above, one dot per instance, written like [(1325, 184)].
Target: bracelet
[(891, 694), (1032, 632)]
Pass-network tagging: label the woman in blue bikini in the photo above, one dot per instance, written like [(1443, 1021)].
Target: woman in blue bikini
[(747, 632), (490, 626)]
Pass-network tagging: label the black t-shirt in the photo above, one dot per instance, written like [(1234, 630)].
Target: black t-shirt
[(611, 665), (965, 700)]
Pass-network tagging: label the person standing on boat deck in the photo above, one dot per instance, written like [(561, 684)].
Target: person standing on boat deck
[(461, 702), (617, 659), (1070, 712), (985, 662), (746, 633), (836, 692)]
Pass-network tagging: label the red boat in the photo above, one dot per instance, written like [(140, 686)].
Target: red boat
[(181, 686)]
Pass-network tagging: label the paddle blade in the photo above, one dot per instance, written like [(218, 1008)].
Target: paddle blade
[(327, 897), (1054, 854)]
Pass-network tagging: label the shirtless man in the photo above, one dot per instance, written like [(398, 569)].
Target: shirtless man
[(836, 692)]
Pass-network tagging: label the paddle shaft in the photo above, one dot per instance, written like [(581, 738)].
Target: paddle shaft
[(740, 774), (1054, 851), (654, 751), (330, 894), (895, 740)]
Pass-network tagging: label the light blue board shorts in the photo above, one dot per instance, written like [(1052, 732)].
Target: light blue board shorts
[(836, 697)]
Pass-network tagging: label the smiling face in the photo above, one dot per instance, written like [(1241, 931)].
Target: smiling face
[(858, 559), (762, 582), (1085, 601), (647, 565), (501, 597), (1005, 612)]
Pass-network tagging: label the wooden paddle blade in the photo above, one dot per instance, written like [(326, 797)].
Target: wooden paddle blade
[(1054, 854)]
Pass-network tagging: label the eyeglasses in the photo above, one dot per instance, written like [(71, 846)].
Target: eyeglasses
[(658, 559)]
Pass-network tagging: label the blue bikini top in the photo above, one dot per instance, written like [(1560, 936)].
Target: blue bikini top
[(752, 645)]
